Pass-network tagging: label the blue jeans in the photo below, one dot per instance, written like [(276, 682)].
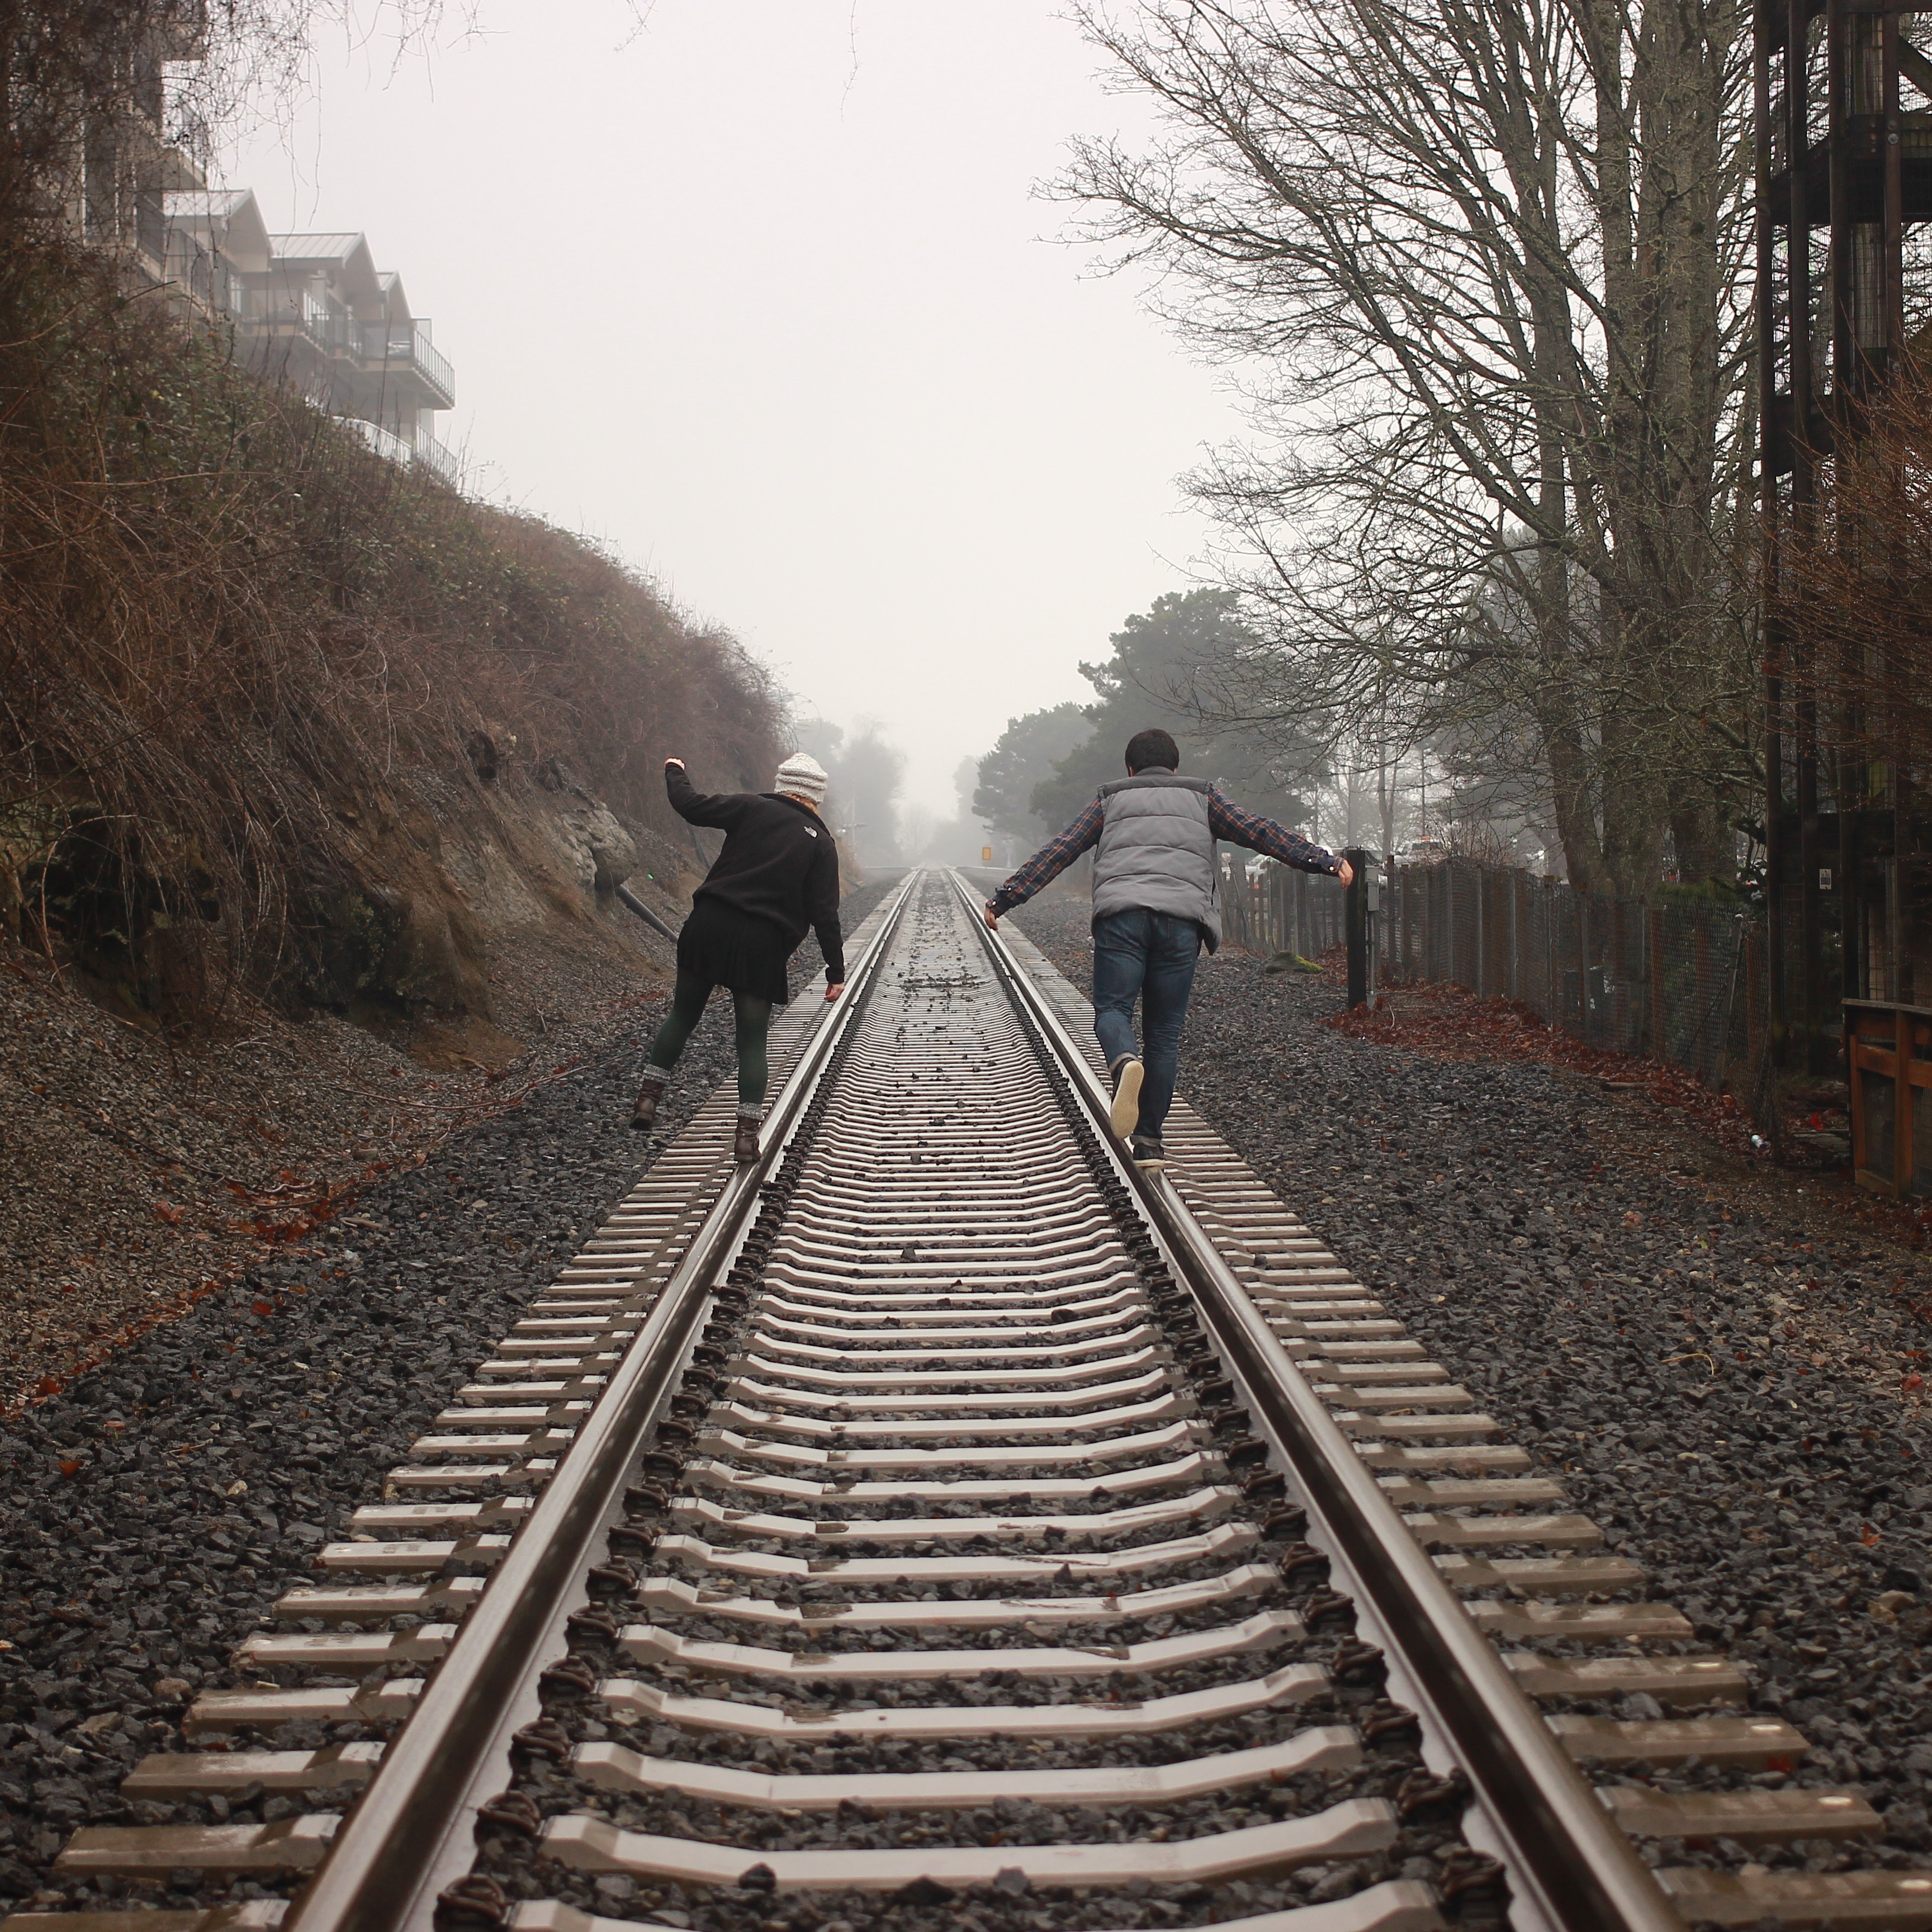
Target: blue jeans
[(1149, 956)]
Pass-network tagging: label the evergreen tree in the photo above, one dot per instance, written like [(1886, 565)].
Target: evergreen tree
[(1167, 667)]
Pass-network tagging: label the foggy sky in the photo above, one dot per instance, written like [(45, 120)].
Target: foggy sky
[(759, 295)]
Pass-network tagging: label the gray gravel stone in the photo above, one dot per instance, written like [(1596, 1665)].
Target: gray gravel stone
[(1724, 1392), (152, 1511)]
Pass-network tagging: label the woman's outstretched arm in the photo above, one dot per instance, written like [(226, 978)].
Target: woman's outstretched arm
[(723, 809)]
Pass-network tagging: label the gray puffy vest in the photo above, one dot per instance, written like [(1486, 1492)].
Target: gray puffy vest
[(1156, 851)]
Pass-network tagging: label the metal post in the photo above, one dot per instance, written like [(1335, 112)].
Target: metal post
[(1355, 913)]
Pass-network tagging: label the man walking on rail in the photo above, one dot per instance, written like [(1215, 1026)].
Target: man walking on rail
[(1156, 897)]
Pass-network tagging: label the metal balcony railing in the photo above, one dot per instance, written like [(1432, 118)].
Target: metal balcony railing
[(433, 363), (150, 226), (412, 349), (384, 442), (323, 323), (438, 457)]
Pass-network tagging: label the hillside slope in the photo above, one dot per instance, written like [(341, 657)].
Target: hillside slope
[(316, 783)]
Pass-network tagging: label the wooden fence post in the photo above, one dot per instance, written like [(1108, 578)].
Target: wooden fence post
[(1660, 1009)]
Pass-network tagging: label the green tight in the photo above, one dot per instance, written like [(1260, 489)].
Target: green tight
[(754, 1016)]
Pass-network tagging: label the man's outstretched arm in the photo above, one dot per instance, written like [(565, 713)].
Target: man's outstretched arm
[(1047, 864), (1227, 821)]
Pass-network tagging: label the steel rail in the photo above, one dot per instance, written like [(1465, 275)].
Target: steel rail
[(1564, 1855), (403, 1839)]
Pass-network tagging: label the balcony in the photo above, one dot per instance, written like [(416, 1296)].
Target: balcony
[(151, 227), (204, 276), (388, 348), (384, 442), (325, 324), (440, 457), (266, 316)]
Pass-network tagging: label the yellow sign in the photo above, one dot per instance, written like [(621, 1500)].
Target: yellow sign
[(985, 855)]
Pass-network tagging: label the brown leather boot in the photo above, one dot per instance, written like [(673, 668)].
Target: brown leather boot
[(643, 1115), (745, 1146)]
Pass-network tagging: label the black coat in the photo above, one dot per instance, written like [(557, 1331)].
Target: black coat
[(779, 863)]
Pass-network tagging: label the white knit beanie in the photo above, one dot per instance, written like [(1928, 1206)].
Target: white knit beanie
[(803, 776)]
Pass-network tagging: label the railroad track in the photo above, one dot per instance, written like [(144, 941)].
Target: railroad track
[(945, 1519)]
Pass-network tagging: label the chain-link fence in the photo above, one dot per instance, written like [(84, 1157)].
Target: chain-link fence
[(1676, 980)]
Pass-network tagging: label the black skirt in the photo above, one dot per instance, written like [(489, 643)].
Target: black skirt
[(737, 950)]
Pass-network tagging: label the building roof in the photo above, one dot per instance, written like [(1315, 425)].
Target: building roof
[(391, 283), (186, 204), (316, 248), (228, 218), (347, 255)]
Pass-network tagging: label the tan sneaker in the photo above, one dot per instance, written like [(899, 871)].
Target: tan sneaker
[(1128, 1075)]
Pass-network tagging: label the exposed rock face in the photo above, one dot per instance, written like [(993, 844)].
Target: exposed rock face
[(603, 855), (452, 881), (385, 946)]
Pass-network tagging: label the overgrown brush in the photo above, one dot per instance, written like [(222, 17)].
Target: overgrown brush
[(223, 621)]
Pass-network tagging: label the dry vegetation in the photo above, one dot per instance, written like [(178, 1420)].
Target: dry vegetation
[(286, 733), (289, 736), (228, 632)]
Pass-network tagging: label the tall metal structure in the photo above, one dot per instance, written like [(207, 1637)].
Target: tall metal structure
[(1844, 171)]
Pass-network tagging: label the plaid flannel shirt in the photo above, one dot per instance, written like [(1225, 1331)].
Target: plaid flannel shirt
[(1226, 820)]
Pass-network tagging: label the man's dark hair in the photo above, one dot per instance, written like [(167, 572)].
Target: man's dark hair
[(1153, 746)]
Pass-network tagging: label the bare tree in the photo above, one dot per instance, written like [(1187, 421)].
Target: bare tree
[(1480, 262)]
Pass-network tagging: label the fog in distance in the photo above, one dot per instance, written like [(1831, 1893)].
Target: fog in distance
[(758, 291)]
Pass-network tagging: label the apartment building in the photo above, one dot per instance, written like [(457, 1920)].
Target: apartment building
[(313, 311), (105, 143)]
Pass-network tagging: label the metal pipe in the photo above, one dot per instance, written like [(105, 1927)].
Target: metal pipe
[(626, 897)]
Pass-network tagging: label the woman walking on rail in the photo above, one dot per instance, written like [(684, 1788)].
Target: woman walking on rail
[(778, 874)]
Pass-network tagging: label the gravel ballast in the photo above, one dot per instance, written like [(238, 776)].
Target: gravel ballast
[(1731, 1397), (140, 1163), (1731, 1394), (152, 1510), (788, 1241)]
